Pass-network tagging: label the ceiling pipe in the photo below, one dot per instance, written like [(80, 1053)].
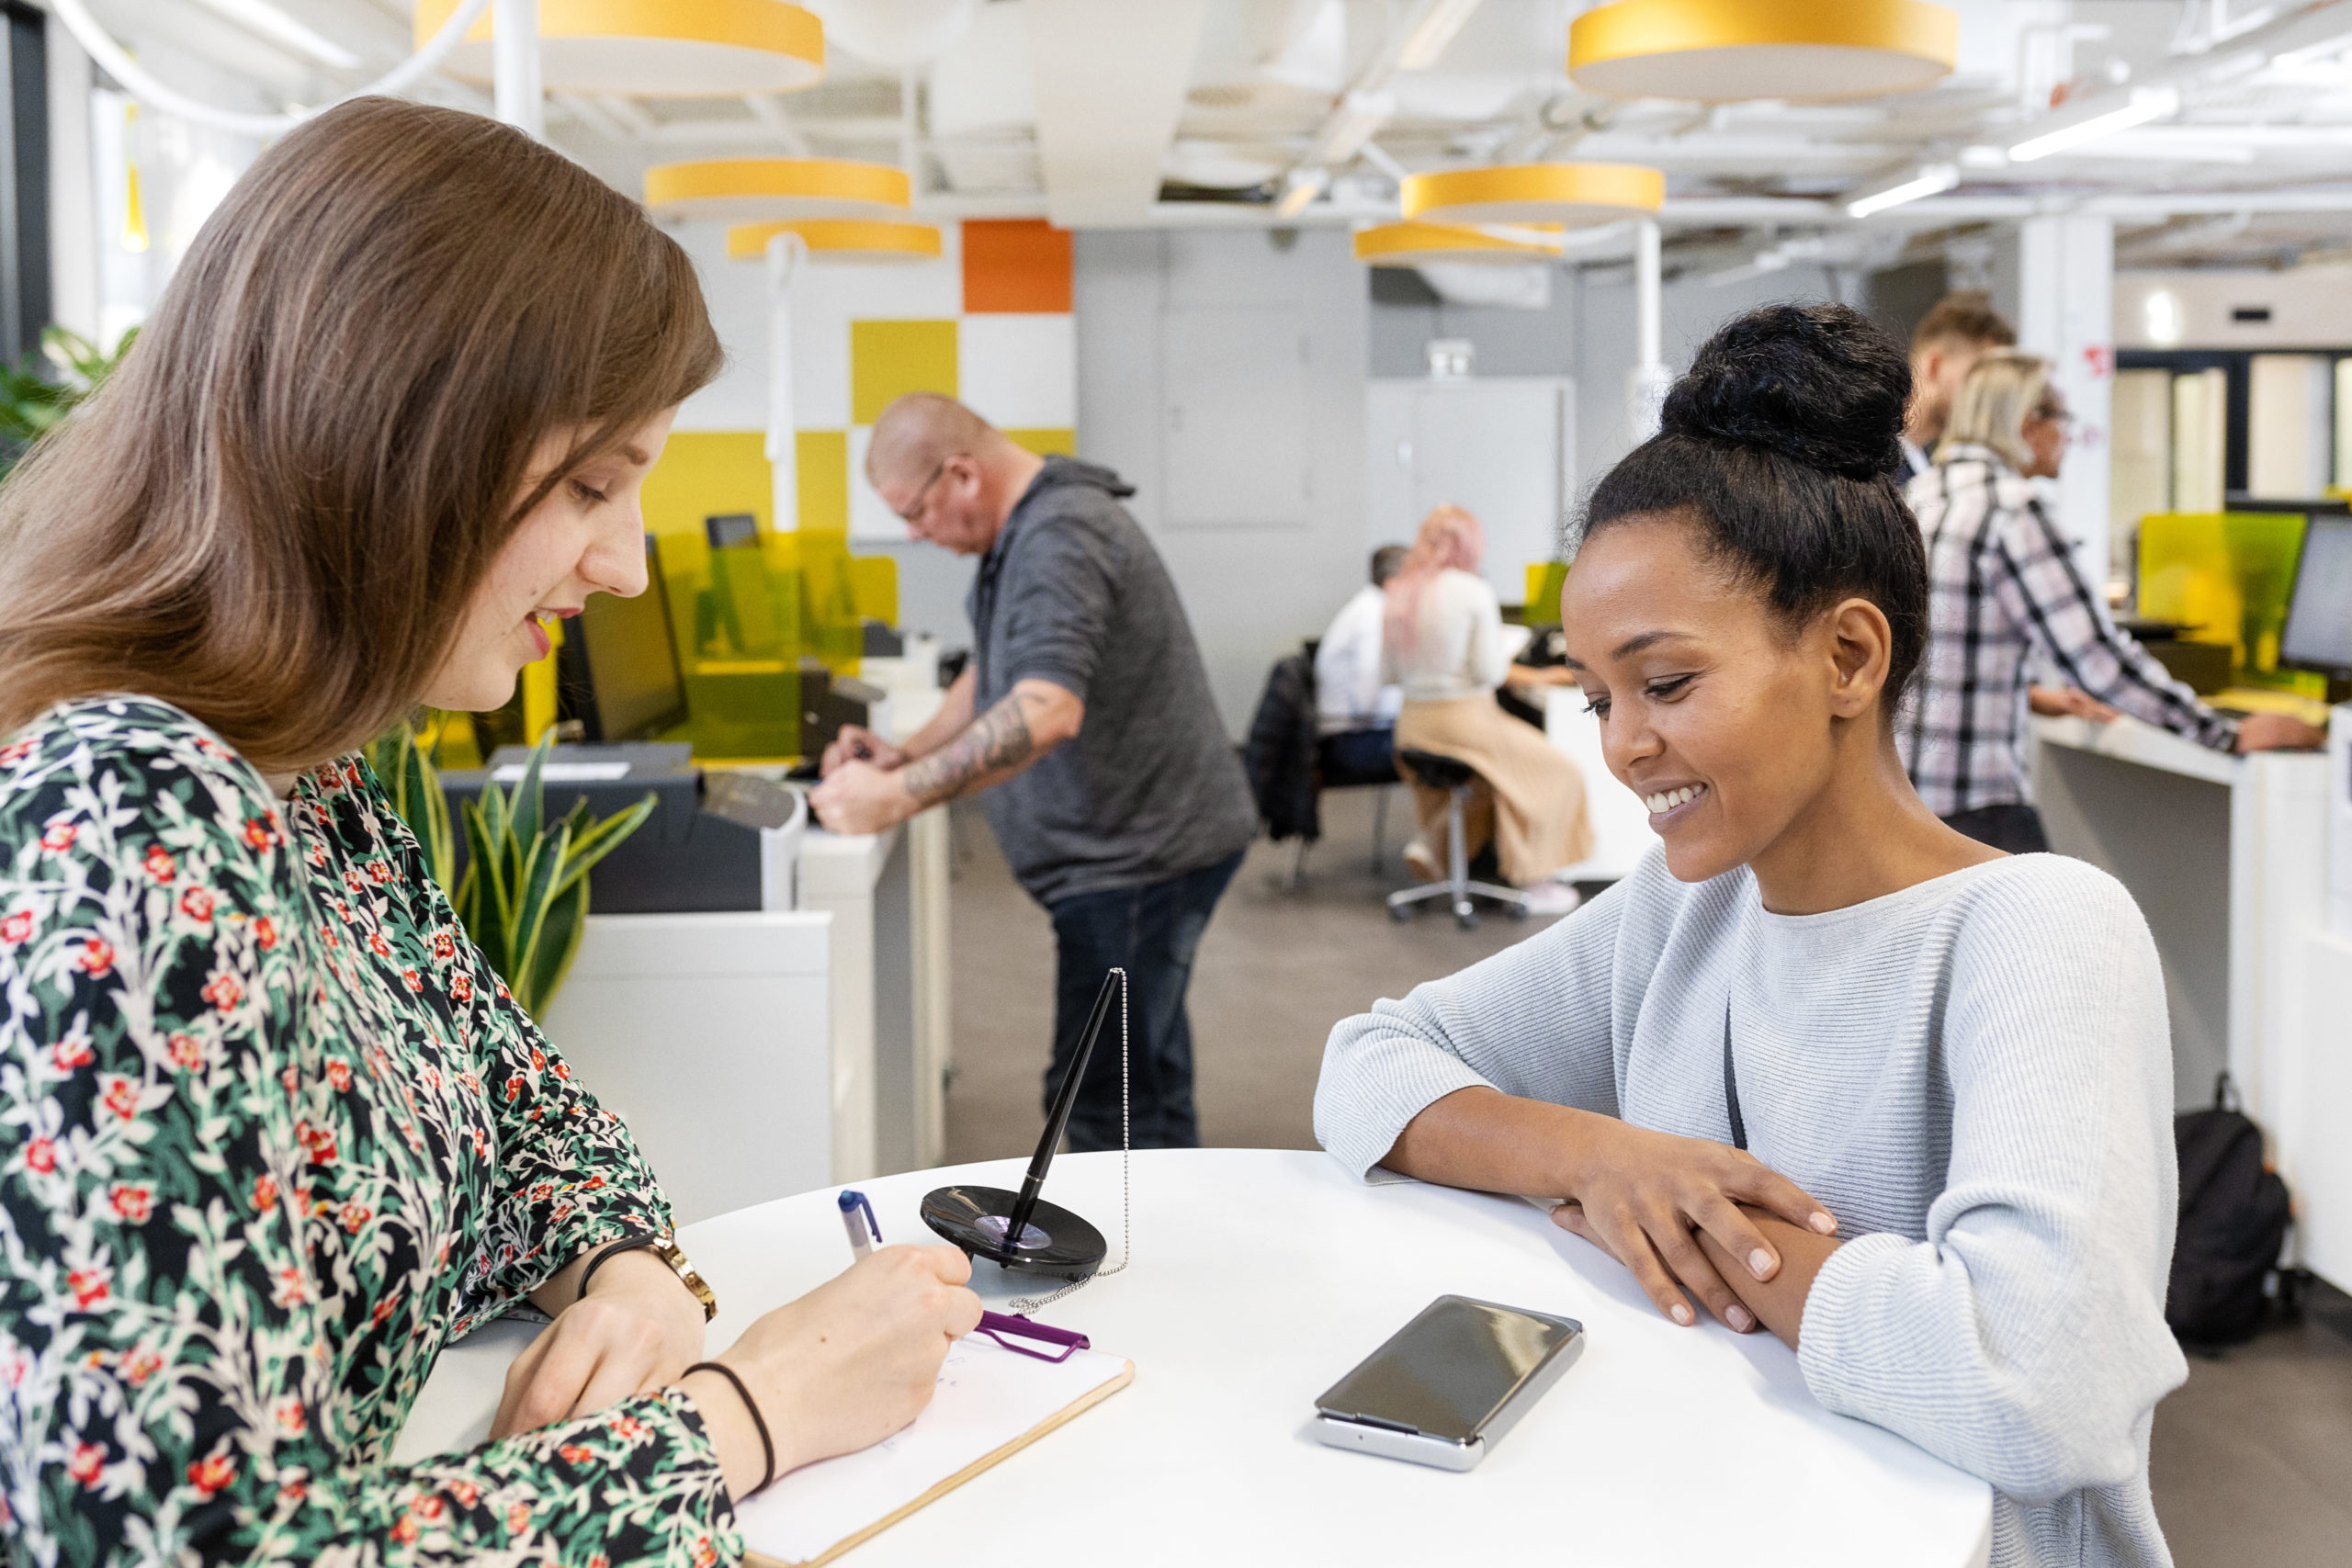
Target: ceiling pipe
[(515, 77), (2310, 26), (143, 86)]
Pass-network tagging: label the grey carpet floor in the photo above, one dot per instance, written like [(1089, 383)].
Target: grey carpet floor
[(2252, 1458)]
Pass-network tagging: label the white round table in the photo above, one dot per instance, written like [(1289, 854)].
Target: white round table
[(1260, 1277)]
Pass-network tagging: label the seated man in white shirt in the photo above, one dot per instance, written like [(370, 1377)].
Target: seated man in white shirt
[(1355, 712)]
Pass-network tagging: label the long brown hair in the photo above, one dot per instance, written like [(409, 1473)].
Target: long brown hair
[(273, 515)]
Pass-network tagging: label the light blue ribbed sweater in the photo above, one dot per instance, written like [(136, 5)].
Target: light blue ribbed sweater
[(1974, 1074)]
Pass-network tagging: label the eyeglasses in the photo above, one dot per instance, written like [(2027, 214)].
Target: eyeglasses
[(912, 515), (2060, 417)]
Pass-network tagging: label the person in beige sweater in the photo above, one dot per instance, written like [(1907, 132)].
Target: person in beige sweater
[(1444, 645)]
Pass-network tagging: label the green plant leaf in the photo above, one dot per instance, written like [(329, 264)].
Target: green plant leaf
[(603, 839), (535, 892), (530, 795), (487, 912), (558, 945)]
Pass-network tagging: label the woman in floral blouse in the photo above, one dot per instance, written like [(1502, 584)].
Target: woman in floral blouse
[(271, 1131)]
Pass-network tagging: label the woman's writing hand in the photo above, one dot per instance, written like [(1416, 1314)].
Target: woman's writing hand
[(1638, 1195), (635, 1330), (845, 1365)]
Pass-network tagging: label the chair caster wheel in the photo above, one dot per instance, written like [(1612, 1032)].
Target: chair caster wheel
[(1466, 919), (1401, 913), (1518, 911)]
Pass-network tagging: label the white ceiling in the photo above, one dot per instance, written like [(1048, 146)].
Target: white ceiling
[(1195, 111)]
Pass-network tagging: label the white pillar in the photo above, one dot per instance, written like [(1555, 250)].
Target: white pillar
[(72, 186), (1646, 383), (2066, 313), (785, 253), (514, 65)]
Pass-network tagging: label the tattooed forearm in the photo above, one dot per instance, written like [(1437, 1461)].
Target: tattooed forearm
[(996, 742)]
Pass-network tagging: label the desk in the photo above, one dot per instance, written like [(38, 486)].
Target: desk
[(888, 895), (1661, 1445), (2226, 857), (708, 1034)]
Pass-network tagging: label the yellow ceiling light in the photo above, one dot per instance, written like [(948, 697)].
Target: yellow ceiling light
[(1725, 51), (1574, 195), (669, 49), (750, 190), (1415, 244), (840, 239)]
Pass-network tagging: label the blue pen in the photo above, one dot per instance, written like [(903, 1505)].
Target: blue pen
[(857, 1224)]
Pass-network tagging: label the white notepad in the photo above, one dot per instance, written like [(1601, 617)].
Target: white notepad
[(990, 1403)]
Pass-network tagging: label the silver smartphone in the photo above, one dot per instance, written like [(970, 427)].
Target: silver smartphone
[(1449, 1384)]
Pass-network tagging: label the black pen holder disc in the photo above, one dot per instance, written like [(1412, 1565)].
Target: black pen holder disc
[(1055, 1242)]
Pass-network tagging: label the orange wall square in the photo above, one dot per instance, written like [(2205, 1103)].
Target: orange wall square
[(1015, 267)]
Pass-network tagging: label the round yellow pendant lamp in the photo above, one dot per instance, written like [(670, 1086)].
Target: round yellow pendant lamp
[(750, 190), (1573, 195), (840, 239), (669, 49), (1727, 50), (1416, 245)]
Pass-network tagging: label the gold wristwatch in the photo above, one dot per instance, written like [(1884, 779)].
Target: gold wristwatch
[(666, 1249)]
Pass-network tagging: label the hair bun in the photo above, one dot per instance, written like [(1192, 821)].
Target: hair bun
[(1821, 385)]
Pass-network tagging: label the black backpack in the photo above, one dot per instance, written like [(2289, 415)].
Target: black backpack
[(2234, 1216)]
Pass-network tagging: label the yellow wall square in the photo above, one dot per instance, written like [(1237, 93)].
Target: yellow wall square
[(1045, 443), (706, 473), (824, 478), (889, 359)]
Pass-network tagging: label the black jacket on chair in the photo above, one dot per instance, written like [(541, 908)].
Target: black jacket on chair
[(1280, 752)]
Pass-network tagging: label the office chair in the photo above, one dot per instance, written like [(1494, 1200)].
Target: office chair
[(1457, 779)]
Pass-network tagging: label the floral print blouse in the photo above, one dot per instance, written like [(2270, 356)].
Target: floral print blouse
[(271, 1134)]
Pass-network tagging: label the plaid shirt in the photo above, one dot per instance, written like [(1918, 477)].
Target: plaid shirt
[(2002, 586)]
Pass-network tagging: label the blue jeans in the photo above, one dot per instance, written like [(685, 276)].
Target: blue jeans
[(1153, 933)]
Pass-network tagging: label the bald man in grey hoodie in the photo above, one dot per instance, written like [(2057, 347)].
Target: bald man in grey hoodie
[(1086, 722)]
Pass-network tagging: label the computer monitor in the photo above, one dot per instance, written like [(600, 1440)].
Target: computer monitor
[(2318, 634), (620, 663)]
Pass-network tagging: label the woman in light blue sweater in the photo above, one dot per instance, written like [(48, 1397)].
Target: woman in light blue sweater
[(1822, 1063)]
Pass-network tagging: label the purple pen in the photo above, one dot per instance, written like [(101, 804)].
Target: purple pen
[(857, 1224)]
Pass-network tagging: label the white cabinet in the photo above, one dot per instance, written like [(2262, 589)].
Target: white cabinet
[(711, 1036), (1503, 447)]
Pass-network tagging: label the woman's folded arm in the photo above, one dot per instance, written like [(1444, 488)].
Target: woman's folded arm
[(2023, 1339)]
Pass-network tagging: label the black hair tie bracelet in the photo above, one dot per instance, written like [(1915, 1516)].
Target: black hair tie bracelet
[(627, 1243), (767, 1446)]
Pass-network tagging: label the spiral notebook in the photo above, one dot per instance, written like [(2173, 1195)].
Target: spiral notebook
[(990, 1403)]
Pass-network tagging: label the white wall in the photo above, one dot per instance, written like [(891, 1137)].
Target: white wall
[(931, 581), (1252, 589), (1692, 308), (2311, 307), (1586, 332)]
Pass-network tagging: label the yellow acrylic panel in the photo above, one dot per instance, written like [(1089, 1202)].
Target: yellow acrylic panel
[(706, 473), (2227, 576), (889, 359), (813, 569), (875, 581), (1545, 579), (737, 705), (823, 474), (539, 682), (1046, 441)]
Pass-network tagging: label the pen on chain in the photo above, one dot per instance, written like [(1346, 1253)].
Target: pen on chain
[(858, 1219)]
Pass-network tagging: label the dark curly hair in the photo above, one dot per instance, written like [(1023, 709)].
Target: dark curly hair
[(1780, 446)]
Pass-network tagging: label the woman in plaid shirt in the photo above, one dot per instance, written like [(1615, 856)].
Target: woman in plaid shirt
[(2004, 591)]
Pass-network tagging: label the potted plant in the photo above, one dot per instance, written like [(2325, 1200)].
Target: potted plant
[(523, 898)]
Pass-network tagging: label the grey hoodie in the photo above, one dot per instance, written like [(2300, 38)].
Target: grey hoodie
[(1072, 593)]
